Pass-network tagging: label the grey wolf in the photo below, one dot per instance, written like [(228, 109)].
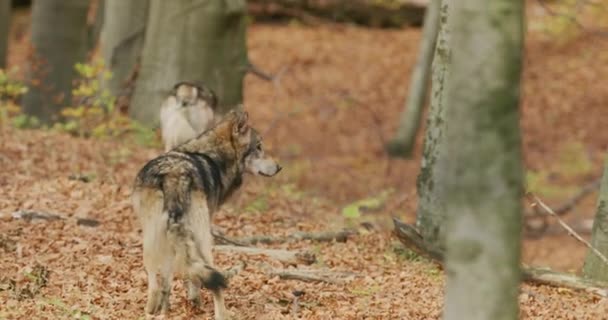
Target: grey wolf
[(186, 112), (175, 196)]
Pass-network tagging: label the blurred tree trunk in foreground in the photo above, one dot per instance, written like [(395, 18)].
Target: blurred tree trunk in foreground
[(403, 143), (122, 39), (373, 13), (430, 218), (195, 41), (594, 267), (5, 23), (484, 178), (59, 30)]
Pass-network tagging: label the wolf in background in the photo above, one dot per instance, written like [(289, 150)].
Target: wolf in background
[(175, 196), (188, 111)]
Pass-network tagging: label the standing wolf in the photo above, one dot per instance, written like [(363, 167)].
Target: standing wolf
[(175, 196), (188, 110)]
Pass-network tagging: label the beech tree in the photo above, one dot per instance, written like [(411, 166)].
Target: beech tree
[(484, 176), (196, 41), (122, 39), (59, 33)]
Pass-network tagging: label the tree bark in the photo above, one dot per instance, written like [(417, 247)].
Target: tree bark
[(5, 23), (195, 41), (484, 176), (409, 123), (59, 30), (594, 267), (430, 217), (122, 39)]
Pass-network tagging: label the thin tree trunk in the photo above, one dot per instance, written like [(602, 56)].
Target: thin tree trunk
[(430, 219), (484, 176), (403, 143), (194, 41), (5, 23), (59, 40), (594, 267), (122, 39)]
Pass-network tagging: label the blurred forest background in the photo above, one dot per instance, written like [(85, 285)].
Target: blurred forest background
[(326, 83)]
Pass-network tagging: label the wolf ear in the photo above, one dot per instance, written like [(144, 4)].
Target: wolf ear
[(240, 126)]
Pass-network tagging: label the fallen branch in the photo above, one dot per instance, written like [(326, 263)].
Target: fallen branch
[(559, 279), (327, 236), (285, 256), (310, 275), (363, 12), (235, 270), (34, 215), (411, 238)]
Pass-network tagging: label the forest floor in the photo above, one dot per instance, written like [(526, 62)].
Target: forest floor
[(327, 117)]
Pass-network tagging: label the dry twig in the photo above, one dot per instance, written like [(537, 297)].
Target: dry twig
[(569, 229)]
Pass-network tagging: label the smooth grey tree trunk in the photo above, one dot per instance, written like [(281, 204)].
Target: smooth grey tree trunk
[(59, 30), (484, 177), (194, 41), (122, 39), (594, 267), (5, 23), (430, 218), (409, 123)]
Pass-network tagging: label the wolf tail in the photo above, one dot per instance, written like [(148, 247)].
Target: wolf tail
[(189, 228), (176, 197)]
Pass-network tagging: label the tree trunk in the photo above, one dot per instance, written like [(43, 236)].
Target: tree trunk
[(594, 267), (403, 143), (484, 176), (430, 218), (59, 40), (122, 39), (5, 23), (194, 41)]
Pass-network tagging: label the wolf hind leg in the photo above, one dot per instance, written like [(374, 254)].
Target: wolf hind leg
[(159, 288), (158, 261), (193, 285)]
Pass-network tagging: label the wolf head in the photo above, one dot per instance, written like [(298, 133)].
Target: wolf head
[(233, 137), (189, 93), (248, 142)]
